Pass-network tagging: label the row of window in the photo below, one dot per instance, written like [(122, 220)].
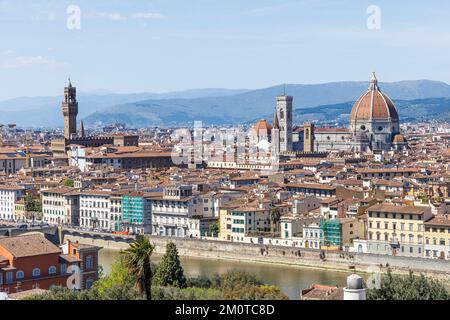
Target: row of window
[(395, 215), (94, 204), (402, 248), (172, 205), (20, 274), (394, 237), (386, 225), (435, 230), (94, 213), (53, 212)]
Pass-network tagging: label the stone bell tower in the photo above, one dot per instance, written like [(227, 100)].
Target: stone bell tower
[(70, 111), (284, 114)]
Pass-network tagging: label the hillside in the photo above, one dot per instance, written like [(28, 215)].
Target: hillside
[(217, 106), (327, 100), (409, 111)]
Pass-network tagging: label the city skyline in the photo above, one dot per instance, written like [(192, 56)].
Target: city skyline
[(157, 46)]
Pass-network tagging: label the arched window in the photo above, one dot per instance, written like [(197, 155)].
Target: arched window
[(20, 274), (89, 262), (89, 283), (52, 270), (36, 272)]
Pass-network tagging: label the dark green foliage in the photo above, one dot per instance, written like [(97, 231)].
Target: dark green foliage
[(33, 203), (214, 228), (129, 276), (115, 292), (199, 282), (274, 217), (69, 183), (233, 279), (240, 285), (262, 292), (170, 272), (190, 293), (411, 287)]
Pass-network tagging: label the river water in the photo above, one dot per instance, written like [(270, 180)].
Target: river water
[(290, 280)]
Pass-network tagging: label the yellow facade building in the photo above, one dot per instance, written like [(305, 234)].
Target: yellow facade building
[(397, 230), (437, 237)]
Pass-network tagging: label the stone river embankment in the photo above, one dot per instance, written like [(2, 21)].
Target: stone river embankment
[(344, 261)]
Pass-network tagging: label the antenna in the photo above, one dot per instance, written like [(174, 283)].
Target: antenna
[(284, 89)]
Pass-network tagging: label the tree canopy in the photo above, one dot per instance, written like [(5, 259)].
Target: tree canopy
[(410, 287), (169, 271)]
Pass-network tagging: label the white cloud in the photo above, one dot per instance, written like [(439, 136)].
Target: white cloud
[(147, 15), (25, 61)]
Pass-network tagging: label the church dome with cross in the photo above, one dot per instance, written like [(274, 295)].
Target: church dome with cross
[(375, 115)]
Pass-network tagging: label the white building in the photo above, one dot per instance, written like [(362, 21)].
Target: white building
[(95, 210), (172, 212), (313, 236), (61, 206), (8, 196)]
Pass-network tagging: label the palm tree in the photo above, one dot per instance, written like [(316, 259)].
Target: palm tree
[(274, 217), (137, 261)]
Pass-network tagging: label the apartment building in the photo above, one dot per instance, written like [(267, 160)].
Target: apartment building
[(9, 195), (61, 206), (116, 212), (225, 217), (437, 237), (172, 210), (313, 236), (31, 261), (396, 230), (95, 210), (248, 220), (136, 212)]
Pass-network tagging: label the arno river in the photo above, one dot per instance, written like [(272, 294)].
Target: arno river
[(289, 279)]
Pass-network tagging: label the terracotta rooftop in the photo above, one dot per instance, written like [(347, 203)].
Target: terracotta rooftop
[(321, 292), (441, 221), (397, 209), (28, 245), (374, 104)]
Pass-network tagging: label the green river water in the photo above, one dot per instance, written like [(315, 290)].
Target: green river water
[(289, 279)]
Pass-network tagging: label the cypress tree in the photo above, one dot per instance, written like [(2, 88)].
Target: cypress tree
[(169, 271)]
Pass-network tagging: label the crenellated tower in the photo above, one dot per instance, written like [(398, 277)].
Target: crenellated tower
[(70, 111)]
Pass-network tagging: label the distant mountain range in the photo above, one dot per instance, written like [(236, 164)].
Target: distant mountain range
[(419, 99), (409, 111), (46, 111)]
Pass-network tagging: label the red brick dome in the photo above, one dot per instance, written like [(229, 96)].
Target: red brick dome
[(374, 105), (262, 126)]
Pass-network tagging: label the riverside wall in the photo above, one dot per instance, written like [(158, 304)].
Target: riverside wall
[(300, 257)]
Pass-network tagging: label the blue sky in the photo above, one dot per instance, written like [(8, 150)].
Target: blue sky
[(168, 45)]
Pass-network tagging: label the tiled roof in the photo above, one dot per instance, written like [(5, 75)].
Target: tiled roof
[(28, 245)]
